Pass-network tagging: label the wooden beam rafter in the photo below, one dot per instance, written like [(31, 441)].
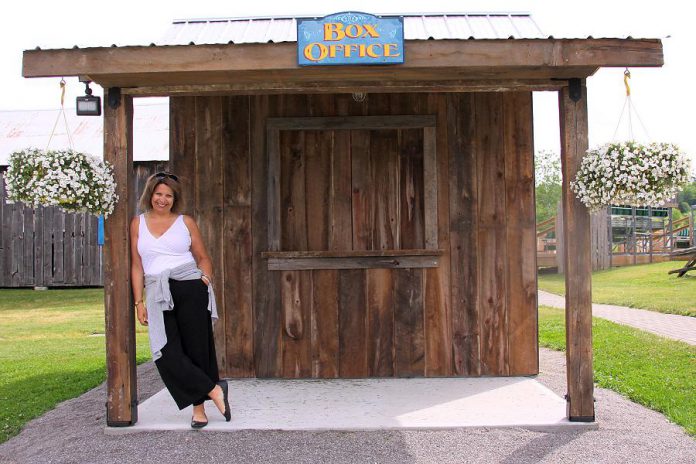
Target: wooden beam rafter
[(433, 60)]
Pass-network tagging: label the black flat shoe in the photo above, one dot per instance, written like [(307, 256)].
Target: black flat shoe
[(198, 424), (227, 413)]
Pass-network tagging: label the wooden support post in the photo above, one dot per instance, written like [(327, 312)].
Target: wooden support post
[(610, 232), (634, 235), (671, 230), (578, 265), (121, 404), (650, 233)]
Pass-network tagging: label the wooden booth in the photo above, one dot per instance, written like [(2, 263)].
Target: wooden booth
[(363, 221)]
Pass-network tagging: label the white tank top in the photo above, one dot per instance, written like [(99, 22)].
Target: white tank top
[(169, 250)]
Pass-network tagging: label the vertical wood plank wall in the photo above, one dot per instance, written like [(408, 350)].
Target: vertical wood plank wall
[(474, 314)]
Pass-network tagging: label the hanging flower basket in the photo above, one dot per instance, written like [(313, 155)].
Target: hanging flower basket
[(630, 173), (73, 181)]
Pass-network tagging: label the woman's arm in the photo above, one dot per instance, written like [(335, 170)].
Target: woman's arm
[(137, 274), (198, 249)]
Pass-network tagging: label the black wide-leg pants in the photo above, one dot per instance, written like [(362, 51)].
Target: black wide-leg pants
[(188, 365)]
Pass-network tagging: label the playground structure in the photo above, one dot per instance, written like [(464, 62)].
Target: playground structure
[(622, 236)]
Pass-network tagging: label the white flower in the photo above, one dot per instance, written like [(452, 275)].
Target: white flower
[(68, 179), (630, 173)]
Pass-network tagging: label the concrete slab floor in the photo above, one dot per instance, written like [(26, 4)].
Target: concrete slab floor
[(369, 404)]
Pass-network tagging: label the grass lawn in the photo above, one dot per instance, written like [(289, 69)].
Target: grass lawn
[(52, 349), (647, 369), (644, 286)]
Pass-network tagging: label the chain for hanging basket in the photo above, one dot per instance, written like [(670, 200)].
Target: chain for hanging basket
[(61, 112), (630, 110)]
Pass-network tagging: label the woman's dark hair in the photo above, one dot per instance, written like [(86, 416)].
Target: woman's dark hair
[(171, 181)]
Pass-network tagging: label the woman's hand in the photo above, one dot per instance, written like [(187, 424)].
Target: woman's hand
[(141, 312), (205, 279)]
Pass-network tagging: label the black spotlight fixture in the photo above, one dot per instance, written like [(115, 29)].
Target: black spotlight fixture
[(88, 105)]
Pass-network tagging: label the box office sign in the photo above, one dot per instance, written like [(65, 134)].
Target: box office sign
[(350, 39)]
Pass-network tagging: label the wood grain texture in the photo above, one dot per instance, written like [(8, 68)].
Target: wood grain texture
[(318, 151), (520, 235), (411, 189), (351, 253), (296, 300), (5, 237), (446, 56), (237, 237), (38, 252), (362, 210), (365, 262), (463, 221), (208, 201), (266, 285), (384, 167), (409, 358), (437, 298), (578, 265), (430, 187), (182, 145), (492, 246), (427, 86), (380, 324), (352, 320), (340, 196), (353, 122), (122, 395), (59, 236), (295, 285), (68, 249), (324, 324)]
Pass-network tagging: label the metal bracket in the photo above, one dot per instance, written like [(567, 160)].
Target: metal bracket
[(114, 98), (575, 89)]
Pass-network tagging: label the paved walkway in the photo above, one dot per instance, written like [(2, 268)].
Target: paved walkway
[(682, 328), (73, 432), (370, 404)]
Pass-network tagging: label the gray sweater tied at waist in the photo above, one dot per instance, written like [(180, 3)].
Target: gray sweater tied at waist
[(159, 299)]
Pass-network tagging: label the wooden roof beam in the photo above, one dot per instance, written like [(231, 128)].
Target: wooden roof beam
[(468, 54)]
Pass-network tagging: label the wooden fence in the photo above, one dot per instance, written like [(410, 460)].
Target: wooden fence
[(600, 249), (46, 247)]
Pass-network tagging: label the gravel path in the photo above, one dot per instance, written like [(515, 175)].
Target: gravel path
[(74, 433)]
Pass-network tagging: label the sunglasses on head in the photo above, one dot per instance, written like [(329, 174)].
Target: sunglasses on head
[(162, 175)]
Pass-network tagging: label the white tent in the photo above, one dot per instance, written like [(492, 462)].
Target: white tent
[(32, 128)]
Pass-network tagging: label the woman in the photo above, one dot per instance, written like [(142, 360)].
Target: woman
[(170, 265)]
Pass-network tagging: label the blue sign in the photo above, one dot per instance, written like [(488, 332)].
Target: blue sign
[(100, 231), (350, 39)]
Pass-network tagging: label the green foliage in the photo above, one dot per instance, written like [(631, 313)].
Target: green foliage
[(547, 174), (687, 197), (646, 286), (51, 349), (647, 369), (547, 198)]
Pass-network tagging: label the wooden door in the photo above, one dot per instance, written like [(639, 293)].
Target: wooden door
[(352, 226)]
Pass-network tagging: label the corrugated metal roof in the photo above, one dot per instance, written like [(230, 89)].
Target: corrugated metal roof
[(23, 129), (416, 27)]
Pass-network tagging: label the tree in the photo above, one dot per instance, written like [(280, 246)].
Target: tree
[(548, 189), (687, 197)]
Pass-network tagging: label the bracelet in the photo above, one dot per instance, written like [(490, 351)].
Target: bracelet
[(139, 302)]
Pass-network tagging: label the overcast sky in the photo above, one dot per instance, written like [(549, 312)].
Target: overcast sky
[(664, 97)]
